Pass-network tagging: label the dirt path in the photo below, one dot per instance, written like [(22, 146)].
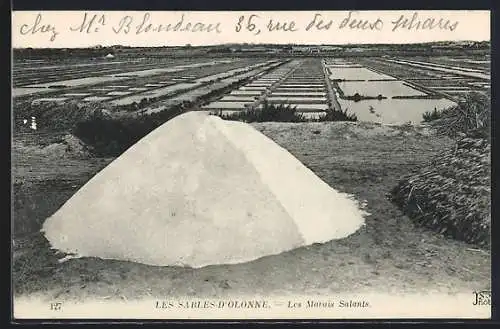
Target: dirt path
[(334, 103), (389, 254)]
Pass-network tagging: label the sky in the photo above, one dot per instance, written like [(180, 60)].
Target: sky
[(73, 29)]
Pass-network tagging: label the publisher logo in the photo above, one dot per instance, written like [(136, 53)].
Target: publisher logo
[(482, 297)]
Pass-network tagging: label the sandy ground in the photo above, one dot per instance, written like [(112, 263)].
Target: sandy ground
[(390, 254)]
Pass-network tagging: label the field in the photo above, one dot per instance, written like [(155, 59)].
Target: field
[(378, 89), (365, 158), (123, 87)]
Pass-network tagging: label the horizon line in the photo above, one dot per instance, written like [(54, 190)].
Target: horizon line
[(265, 44)]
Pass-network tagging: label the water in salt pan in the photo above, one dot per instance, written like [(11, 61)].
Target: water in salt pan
[(301, 88), (374, 88), (246, 92), (153, 85), (102, 89), (118, 93), (27, 91), (301, 94), (253, 88), (299, 99), (200, 191), (311, 85), (137, 89), (394, 111), (356, 73), (95, 98), (452, 88), (240, 98), (455, 91), (77, 94), (260, 84), (227, 105), (54, 99), (80, 82), (308, 107)]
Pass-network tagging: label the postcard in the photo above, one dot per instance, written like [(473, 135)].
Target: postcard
[(251, 164)]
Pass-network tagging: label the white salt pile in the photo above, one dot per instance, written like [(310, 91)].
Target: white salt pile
[(199, 191)]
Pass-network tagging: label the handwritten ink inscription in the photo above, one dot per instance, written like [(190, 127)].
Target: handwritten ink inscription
[(281, 26), (38, 27), (247, 23), (90, 25), (353, 23), (417, 23), (146, 24), (319, 23), (255, 24)]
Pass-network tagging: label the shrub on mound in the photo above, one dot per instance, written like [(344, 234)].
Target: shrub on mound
[(452, 194), (59, 117), (471, 117), (111, 136)]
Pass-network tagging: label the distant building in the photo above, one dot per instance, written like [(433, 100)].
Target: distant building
[(109, 56)]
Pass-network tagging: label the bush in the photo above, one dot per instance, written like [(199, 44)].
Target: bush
[(109, 136), (452, 194), (337, 115), (268, 112), (106, 136), (283, 113), (471, 116), (59, 117)]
